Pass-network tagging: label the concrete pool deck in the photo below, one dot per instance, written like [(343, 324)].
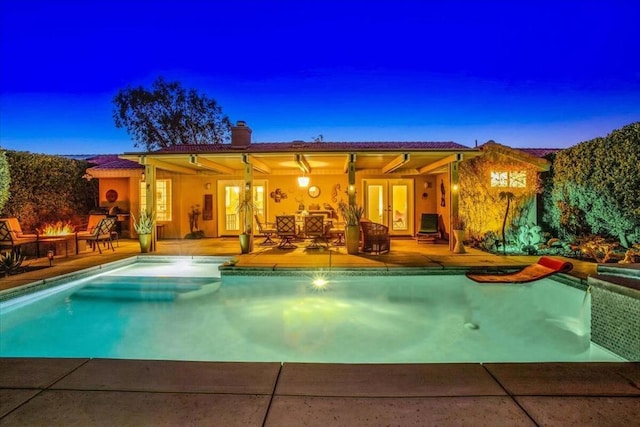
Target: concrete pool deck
[(130, 392)]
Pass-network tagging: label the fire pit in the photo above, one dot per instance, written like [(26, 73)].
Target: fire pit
[(57, 229), (56, 234)]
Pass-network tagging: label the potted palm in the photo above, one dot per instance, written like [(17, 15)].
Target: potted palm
[(352, 215), (245, 208), (144, 227)]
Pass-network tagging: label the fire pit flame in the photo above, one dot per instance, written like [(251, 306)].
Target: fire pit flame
[(57, 229)]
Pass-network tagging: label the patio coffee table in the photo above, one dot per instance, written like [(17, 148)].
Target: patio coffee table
[(55, 239)]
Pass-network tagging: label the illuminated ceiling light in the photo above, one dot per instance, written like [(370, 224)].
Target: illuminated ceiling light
[(396, 163), (303, 181)]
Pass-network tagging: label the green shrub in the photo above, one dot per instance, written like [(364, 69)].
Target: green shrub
[(596, 187), (46, 188)]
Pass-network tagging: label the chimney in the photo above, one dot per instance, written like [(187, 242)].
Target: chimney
[(240, 135)]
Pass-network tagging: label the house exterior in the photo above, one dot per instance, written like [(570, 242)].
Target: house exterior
[(394, 181)]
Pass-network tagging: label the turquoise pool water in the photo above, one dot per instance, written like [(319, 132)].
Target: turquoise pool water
[(185, 311)]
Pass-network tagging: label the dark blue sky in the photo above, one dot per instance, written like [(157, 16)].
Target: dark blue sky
[(526, 74)]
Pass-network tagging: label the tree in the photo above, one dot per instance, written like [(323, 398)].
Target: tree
[(5, 180), (509, 197), (168, 114)]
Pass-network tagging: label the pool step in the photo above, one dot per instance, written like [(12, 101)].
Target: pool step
[(135, 288)]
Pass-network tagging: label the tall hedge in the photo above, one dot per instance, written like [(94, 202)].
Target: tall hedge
[(5, 179), (46, 189), (596, 187)]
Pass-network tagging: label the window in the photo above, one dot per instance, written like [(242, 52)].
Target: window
[(513, 179), (163, 199)]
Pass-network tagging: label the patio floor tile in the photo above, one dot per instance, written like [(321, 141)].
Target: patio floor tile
[(392, 380), (34, 372), (549, 379), (101, 408), (582, 411), (157, 375), (12, 398), (430, 411)]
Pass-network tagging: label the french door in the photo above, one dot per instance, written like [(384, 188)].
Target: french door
[(390, 202), (230, 192)]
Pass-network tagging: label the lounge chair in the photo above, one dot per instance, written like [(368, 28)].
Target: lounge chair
[(429, 230), (286, 230), (375, 237), (544, 267), (101, 233), (267, 229), (11, 236)]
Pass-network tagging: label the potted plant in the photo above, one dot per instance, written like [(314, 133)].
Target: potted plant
[(144, 227), (352, 215), (458, 226), (245, 208)]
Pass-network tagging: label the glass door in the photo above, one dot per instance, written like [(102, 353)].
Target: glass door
[(390, 202), (229, 220)]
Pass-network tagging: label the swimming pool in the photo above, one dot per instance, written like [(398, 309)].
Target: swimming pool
[(186, 311)]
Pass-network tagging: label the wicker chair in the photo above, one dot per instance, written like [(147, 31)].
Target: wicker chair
[(375, 237)]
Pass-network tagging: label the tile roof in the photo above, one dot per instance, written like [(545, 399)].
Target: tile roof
[(112, 161), (539, 152), (264, 147)]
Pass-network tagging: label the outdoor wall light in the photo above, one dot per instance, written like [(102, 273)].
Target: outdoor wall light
[(143, 177), (207, 186), (455, 187)]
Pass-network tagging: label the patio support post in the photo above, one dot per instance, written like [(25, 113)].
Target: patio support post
[(351, 171), (248, 194), (453, 196), (150, 179)]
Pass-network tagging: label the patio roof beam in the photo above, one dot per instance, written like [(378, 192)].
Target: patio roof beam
[(256, 164), (208, 164), (351, 158), (440, 163), (396, 163), (303, 164), (144, 160)]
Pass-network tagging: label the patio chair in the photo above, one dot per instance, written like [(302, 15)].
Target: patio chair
[(314, 228), (89, 228), (336, 230), (429, 230), (286, 230), (375, 237), (100, 233), (267, 229), (11, 236)]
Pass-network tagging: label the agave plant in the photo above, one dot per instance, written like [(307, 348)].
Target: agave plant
[(144, 223), (11, 263), (352, 214)]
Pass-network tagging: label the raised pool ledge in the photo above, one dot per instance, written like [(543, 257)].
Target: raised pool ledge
[(52, 282), (615, 311)]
